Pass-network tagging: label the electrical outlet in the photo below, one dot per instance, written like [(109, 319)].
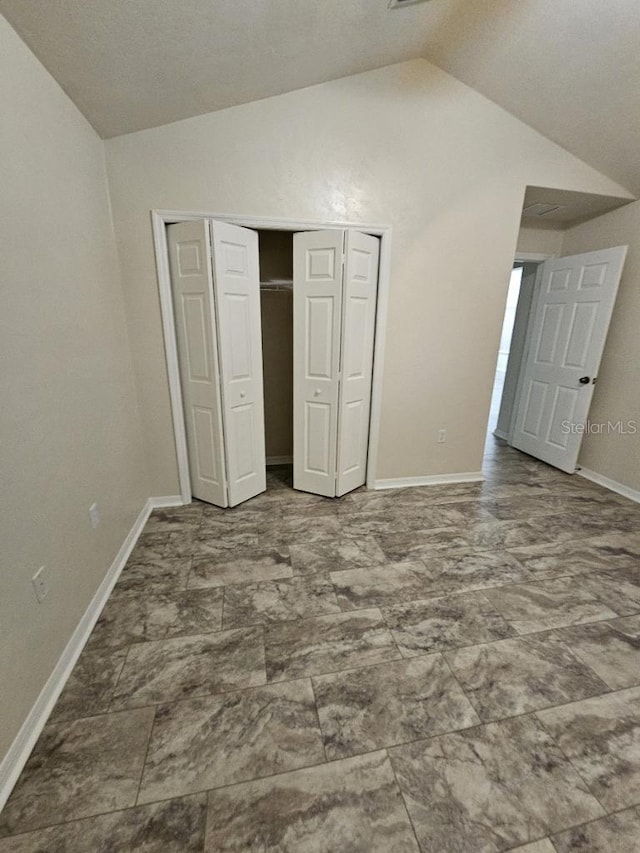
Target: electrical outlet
[(40, 583), (94, 515), (442, 436)]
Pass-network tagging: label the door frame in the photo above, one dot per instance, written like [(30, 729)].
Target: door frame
[(159, 221), (522, 258), (539, 259)]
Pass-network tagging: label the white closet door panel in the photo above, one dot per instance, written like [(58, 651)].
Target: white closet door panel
[(568, 330), (236, 281), (317, 306), (359, 298), (193, 307)]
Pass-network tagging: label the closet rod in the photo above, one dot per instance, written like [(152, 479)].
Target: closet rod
[(277, 284)]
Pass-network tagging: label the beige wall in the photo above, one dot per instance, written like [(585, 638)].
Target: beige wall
[(277, 362), (68, 414), (540, 241), (406, 145), (617, 394)]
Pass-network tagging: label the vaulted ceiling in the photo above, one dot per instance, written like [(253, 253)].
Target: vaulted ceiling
[(569, 68)]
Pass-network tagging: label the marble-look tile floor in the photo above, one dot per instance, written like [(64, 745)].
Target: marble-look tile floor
[(452, 669)]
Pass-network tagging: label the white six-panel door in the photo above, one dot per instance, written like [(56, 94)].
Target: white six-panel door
[(317, 302), (335, 280), (236, 282), (193, 306), (570, 320), (360, 287)]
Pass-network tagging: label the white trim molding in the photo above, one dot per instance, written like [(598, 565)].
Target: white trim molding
[(612, 485), (167, 501), (159, 221), (434, 480), (19, 751), (531, 258)]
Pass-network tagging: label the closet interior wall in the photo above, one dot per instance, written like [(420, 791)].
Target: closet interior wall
[(276, 306)]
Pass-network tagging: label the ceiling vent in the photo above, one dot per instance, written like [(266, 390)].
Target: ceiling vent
[(542, 209), (398, 4)]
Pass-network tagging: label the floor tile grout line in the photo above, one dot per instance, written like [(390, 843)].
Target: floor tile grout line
[(482, 722), (444, 651), (605, 692), (404, 801), (188, 575), (531, 711), (464, 692), (320, 729), (580, 657), (497, 547), (470, 550), (236, 784), (246, 688), (443, 554), (396, 659), (472, 699), (327, 762), (525, 844), (75, 820), (209, 694), (146, 755), (593, 820), (568, 759), (482, 591), (115, 686), (354, 755), (234, 690)]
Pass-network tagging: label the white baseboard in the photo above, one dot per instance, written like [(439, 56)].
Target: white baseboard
[(25, 740), (166, 501), (435, 480), (279, 460), (613, 485)]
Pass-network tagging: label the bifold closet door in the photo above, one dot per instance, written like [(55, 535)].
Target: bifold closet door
[(317, 298), (193, 308), (359, 297), (335, 277), (216, 299), (236, 282)]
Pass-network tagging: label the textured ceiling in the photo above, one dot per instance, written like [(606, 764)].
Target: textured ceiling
[(570, 68), (571, 208)]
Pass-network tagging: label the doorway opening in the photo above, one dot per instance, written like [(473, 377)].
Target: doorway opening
[(276, 310), (511, 353), (506, 336)]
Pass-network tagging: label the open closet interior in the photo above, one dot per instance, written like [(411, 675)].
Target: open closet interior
[(276, 311), (274, 333)]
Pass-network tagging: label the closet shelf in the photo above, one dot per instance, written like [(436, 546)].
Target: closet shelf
[(277, 284)]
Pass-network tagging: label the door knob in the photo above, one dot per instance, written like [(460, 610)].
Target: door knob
[(317, 392), (243, 394), (584, 380)]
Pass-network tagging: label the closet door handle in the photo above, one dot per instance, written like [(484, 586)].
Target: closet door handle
[(317, 392), (243, 394)]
